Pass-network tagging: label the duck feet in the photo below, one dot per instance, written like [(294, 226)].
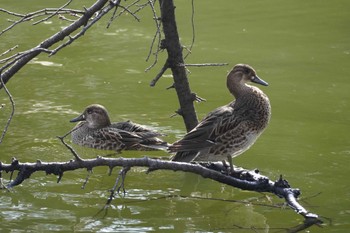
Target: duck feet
[(230, 168)]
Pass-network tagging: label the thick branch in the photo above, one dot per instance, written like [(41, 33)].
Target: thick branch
[(243, 179), (175, 58)]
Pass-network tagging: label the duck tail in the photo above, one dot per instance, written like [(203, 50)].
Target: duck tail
[(184, 156), (164, 146)]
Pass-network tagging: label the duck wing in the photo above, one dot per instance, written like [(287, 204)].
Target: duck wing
[(113, 139), (141, 140), (136, 128), (217, 123), (148, 138), (205, 133)]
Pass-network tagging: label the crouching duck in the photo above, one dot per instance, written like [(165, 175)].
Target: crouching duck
[(95, 130)]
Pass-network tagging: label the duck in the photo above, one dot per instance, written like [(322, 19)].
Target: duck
[(229, 130), (95, 130)]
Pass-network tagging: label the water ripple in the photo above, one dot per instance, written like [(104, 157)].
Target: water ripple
[(49, 107), (45, 63)]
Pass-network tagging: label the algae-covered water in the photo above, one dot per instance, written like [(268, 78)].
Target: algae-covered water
[(301, 48)]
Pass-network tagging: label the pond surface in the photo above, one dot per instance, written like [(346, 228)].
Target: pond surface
[(302, 48)]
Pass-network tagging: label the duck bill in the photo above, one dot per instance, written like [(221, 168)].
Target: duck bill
[(79, 118), (258, 80)]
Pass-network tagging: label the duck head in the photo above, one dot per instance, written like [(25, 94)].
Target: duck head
[(95, 116), (240, 75)]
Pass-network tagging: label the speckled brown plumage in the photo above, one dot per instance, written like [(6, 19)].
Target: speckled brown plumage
[(229, 130), (96, 131)]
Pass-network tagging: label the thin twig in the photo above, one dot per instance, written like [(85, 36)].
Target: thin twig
[(62, 17), (37, 14), (124, 9), (204, 64), (12, 112), (9, 50), (141, 6), (113, 17), (23, 17), (10, 58), (20, 55), (75, 154), (193, 32), (160, 74), (69, 132), (130, 12), (198, 98), (156, 35), (54, 13), (97, 10), (12, 13), (102, 12), (87, 178)]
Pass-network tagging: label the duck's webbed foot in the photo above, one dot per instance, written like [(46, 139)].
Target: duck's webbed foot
[(227, 167), (230, 166)]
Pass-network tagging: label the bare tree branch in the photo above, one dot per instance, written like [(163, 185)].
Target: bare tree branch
[(125, 9), (75, 154), (159, 75), (11, 13), (204, 64), (53, 14), (37, 14), (243, 179), (7, 51), (17, 57), (175, 57), (157, 35), (12, 112), (88, 24), (193, 31), (18, 63)]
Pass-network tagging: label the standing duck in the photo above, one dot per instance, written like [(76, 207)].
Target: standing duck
[(95, 130), (229, 130)]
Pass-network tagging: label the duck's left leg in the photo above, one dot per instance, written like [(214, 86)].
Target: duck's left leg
[(229, 159)]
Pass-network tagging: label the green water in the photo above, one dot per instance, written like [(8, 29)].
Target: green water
[(302, 48)]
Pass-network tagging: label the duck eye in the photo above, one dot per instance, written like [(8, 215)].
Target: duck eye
[(247, 71), (89, 111)]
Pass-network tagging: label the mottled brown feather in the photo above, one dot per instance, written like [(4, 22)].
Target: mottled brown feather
[(231, 129), (96, 131)]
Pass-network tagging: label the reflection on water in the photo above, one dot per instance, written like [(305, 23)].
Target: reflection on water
[(120, 225)]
